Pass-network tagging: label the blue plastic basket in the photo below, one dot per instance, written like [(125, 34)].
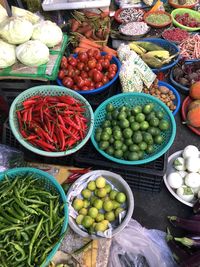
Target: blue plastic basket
[(181, 88), (115, 61), (169, 46), (131, 100), (177, 100), (49, 183)]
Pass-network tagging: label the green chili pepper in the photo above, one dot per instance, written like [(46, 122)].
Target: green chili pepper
[(34, 201), (9, 218), (8, 229), (24, 207), (21, 251), (9, 188)]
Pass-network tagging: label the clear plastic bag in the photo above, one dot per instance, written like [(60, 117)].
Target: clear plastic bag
[(10, 158), (137, 246)]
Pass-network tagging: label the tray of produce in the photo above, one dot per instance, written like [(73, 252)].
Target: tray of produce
[(189, 50), (129, 15), (158, 19), (134, 29), (175, 35), (101, 204), (183, 3), (182, 177), (135, 3)]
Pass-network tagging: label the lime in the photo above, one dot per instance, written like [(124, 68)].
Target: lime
[(158, 139), (100, 227), (79, 219), (144, 125), (140, 117), (131, 119), (83, 211), (103, 145), (113, 194), (136, 110), (152, 105), (143, 145), (115, 204), (133, 156), (107, 130), (147, 108), (106, 123), (163, 125), (92, 212), (101, 192), (137, 137), (124, 123), (149, 149), (150, 116), (78, 204), (110, 216), (86, 193), (117, 144), (147, 137), (110, 150), (104, 136), (98, 204), (109, 116), (133, 148), (115, 114), (92, 199), (108, 205), (100, 182), (100, 217), (127, 133), (122, 115), (118, 211), (159, 115), (154, 122), (91, 185), (116, 128), (109, 107), (117, 134), (152, 130), (120, 197), (118, 153), (140, 154), (135, 126), (97, 136), (124, 148), (128, 141), (108, 188), (123, 108), (157, 131), (87, 221), (86, 203), (125, 155), (105, 222)]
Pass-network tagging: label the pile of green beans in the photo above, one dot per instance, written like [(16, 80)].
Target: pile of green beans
[(31, 219)]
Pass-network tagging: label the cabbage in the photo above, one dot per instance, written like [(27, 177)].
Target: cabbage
[(16, 30), (7, 54), (20, 12), (32, 53), (3, 13), (47, 32)]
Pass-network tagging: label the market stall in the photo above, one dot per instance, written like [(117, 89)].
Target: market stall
[(100, 133)]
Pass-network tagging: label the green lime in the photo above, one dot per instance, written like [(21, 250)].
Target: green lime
[(86, 193), (117, 144), (147, 137), (93, 198), (135, 126), (140, 154), (109, 116), (150, 149), (106, 123), (150, 116), (87, 221), (110, 216), (120, 197), (133, 156), (98, 203), (136, 110), (115, 204), (140, 117), (91, 185), (104, 136), (108, 205), (77, 204), (116, 128), (97, 136), (109, 107), (108, 130), (115, 114), (79, 219), (124, 148), (133, 148), (158, 139), (159, 115), (118, 153), (86, 203), (117, 134), (93, 212), (108, 188), (113, 123), (100, 182), (137, 137), (101, 192), (122, 115), (100, 217), (143, 146), (144, 125), (131, 119), (123, 108), (154, 122), (127, 133), (103, 145), (113, 194), (124, 123), (152, 105), (152, 130), (83, 211), (163, 125), (157, 131), (110, 150), (147, 108), (128, 141), (118, 211), (100, 227)]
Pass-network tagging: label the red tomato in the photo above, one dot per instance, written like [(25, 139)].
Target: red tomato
[(90, 53), (112, 67), (86, 68), (69, 67), (83, 56), (99, 84), (105, 79), (92, 84), (80, 82), (97, 54), (71, 73), (80, 65), (61, 74), (105, 63), (111, 74), (87, 82), (90, 73), (64, 59), (84, 74), (68, 82), (76, 78), (97, 76), (85, 88), (99, 66), (72, 61), (76, 72), (64, 64), (108, 56), (75, 87), (92, 63)]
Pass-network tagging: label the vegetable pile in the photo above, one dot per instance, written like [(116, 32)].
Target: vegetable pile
[(186, 20), (31, 221), (134, 28), (190, 48), (52, 123), (175, 35), (131, 14), (87, 71), (158, 19), (131, 133)]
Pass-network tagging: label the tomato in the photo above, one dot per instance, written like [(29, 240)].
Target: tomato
[(67, 82), (109, 57), (97, 76), (83, 56), (75, 87), (85, 88), (87, 82), (91, 88), (92, 63), (80, 82), (64, 64), (97, 54), (77, 72), (86, 68), (99, 66), (71, 73), (90, 53), (111, 74), (61, 74), (90, 73), (69, 67), (112, 67), (80, 65), (92, 84), (106, 63), (84, 74), (99, 84), (64, 59), (105, 79), (72, 61)]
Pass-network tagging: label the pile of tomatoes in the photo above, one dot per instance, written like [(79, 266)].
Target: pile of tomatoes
[(88, 71)]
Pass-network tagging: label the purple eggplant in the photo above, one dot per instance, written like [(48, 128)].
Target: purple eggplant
[(189, 225), (195, 217), (192, 261), (196, 207), (188, 242)]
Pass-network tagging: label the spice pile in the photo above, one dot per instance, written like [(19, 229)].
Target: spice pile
[(131, 14), (134, 28), (175, 35), (186, 20), (158, 19)]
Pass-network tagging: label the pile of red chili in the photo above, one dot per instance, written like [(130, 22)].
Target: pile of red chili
[(175, 34), (52, 123)]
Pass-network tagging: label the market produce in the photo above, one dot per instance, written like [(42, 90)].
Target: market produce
[(31, 220), (134, 28), (47, 32), (189, 48), (7, 54), (193, 117), (131, 133), (32, 53), (186, 20), (16, 30), (20, 12), (131, 14), (52, 123), (176, 35), (3, 13), (195, 90), (87, 71), (105, 205), (184, 2), (157, 18)]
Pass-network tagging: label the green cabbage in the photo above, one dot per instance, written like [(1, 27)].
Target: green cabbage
[(3, 13), (32, 53), (20, 12), (47, 32), (16, 30), (7, 54)]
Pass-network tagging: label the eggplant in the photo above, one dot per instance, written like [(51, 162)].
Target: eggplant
[(187, 224), (192, 261), (188, 242), (196, 207)]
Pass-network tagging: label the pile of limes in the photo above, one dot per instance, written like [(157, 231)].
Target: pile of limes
[(98, 205), (131, 132)]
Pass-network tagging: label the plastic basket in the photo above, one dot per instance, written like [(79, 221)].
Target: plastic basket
[(183, 89), (131, 100), (52, 90), (49, 183), (169, 46)]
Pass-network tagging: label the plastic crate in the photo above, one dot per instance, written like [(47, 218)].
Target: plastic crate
[(146, 177)]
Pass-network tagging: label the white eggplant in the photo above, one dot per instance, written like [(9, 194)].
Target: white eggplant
[(174, 180), (179, 164), (192, 179), (185, 193), (192, 164), (190, 151)]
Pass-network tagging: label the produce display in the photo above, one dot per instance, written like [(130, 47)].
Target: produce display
[(31, 221), (98, 205), (184, 2), (7, 54), (130, 133), (176, 35), (87, 71), (189, 48), (131, 14), (52, 123), (186, 20), (134, 28), (157, 19)]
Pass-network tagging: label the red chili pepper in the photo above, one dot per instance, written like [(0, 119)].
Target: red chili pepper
[(43, 134), (52, 130), (43, 144), (61, 120), (67, 99), (23, 133), (70, 143), (62, 139), (25, 115), (19, 118), (29, 102), (31, 137), (82, 171), (29, 116), (71, 123)]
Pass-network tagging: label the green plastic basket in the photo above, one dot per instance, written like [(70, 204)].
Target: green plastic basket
[(131, 100), (192, 13), (52, 90), (49, 183)]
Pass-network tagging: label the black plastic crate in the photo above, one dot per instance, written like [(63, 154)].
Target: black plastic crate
[(145, 177)]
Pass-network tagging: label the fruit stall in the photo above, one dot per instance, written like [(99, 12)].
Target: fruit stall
[(99, 139)]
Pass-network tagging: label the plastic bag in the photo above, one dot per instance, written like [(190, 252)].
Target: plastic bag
[(137, 246), (10, 158)]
